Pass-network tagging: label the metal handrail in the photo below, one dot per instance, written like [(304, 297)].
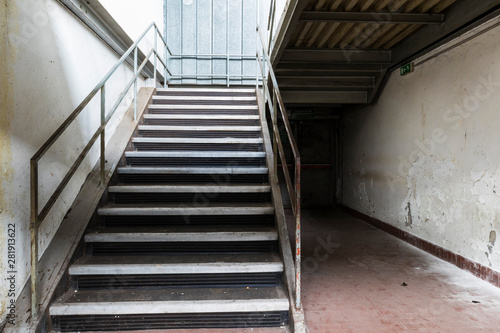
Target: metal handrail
[(37, 217), (293, 189)]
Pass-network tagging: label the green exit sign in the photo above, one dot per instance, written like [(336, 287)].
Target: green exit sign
[(407, 69)]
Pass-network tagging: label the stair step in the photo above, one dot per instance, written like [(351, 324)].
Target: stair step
[(193, 175), (202, 99), (144, 269), (194, 158), (183, 234), (128, 210), (197, 144), (199, 128), (158, 194), (193, 170), (196, 154), (143, 265), (200, 117), (198, 140), (205, 90), (189, 189), (203, 107), (182, 300)]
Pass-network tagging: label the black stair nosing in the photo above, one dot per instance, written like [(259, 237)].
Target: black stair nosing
[(155, 322), (163, 281)]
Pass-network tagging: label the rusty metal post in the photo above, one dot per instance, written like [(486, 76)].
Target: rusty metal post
[(275, 129), (103, 136), (298, 245), (34, 238)]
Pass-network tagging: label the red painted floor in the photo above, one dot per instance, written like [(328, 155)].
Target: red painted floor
[(369, 281), (359, 279)]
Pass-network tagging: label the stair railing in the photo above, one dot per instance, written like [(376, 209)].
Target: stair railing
[(38, 216), (272, 98)]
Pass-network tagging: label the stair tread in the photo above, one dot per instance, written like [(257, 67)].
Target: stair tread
[(272, 257), (176, 209), (184, 233), (178, 264), (197, 140), (201, 107), (184, 229), (203, 98), (192, 170), (178, 300), (189, 189), (199, 128), (187, 153), (201, 116), (237, 90)]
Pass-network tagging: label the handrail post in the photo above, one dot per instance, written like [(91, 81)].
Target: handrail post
[(135, 83), (34, 238), (103, 137), (274, 116), (165, 69), (298, 242), (155, 55), (257, 56)]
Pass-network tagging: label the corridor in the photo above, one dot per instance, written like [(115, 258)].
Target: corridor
[(374, 282)]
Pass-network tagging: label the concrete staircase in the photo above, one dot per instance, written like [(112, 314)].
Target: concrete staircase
[(186, 236)]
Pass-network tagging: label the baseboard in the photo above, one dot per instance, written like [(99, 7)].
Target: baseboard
[(485, 273)]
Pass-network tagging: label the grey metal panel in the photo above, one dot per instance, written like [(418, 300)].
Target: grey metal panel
[(249, 39), (196, 28), (173, 31), (204, 36), (219, 42), (188, 39)]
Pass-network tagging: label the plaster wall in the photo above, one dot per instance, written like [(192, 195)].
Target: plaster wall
[(49, 62), (425, 158), (135, 16)]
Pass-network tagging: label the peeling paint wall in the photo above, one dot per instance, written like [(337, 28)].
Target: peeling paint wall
[(425, 158), (6, 169), (49, 61)]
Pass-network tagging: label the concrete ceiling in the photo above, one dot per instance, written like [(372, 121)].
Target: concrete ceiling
[(338, 52)]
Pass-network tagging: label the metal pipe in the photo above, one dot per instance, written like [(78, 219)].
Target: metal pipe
[(227, 42), (34, 237), (135, 84), (103, 137), (37, 218), (211, 55), (298, 236), (165, 78), (50, 142), (295, 194), (127, 88), (154, 63)]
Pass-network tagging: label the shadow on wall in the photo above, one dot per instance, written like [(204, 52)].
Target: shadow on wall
[(52, 62)]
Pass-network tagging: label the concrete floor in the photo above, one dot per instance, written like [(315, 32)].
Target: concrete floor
[(359, 279), (369, 281)]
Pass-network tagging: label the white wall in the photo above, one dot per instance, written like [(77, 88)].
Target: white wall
[(49, 62), (426, 157), (135, 16)]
